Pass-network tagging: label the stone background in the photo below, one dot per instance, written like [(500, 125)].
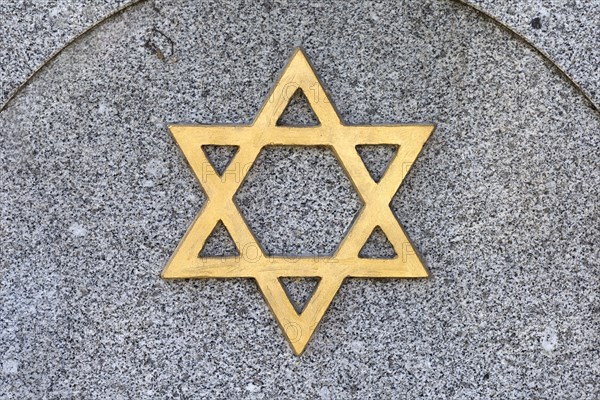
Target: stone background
[(32, 31), (502, 203)]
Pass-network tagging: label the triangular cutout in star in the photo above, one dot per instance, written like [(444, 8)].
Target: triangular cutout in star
[(219, 243), (298, 112), (377, 158), (299, 328), (377, 246), (220, 156), (299, 290)]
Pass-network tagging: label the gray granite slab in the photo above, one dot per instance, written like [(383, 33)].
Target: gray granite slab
[(31, 32), (566, 30), (502, 204)]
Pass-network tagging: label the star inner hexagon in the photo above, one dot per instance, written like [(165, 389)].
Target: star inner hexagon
[(250, 260)]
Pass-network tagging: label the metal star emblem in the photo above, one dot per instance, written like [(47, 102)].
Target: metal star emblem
[(252, 261)]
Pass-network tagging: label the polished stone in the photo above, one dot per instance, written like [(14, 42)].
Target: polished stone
[(501, 203), (32, 32)]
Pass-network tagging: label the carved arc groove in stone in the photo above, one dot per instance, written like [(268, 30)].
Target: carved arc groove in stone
[(465, 3)]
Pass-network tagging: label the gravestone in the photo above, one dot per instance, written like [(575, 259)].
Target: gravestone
[(501, 204)]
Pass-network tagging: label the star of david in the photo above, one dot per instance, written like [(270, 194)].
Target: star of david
[(252, 262)]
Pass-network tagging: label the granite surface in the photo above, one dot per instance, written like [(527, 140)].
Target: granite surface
[(502, 205), (566, 30), (32, 31)]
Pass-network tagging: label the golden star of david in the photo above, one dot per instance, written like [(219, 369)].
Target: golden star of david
[(252, 261)]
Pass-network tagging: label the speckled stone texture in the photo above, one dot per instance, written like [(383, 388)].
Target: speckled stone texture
[(298, 201), (567, 30), (31, 31), (502, 204)]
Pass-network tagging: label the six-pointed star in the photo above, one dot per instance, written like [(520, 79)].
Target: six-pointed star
[(252, 261)]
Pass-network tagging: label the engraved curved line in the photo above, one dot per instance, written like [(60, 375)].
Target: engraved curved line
[(537, 49), (477, 9), (65, 46)]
